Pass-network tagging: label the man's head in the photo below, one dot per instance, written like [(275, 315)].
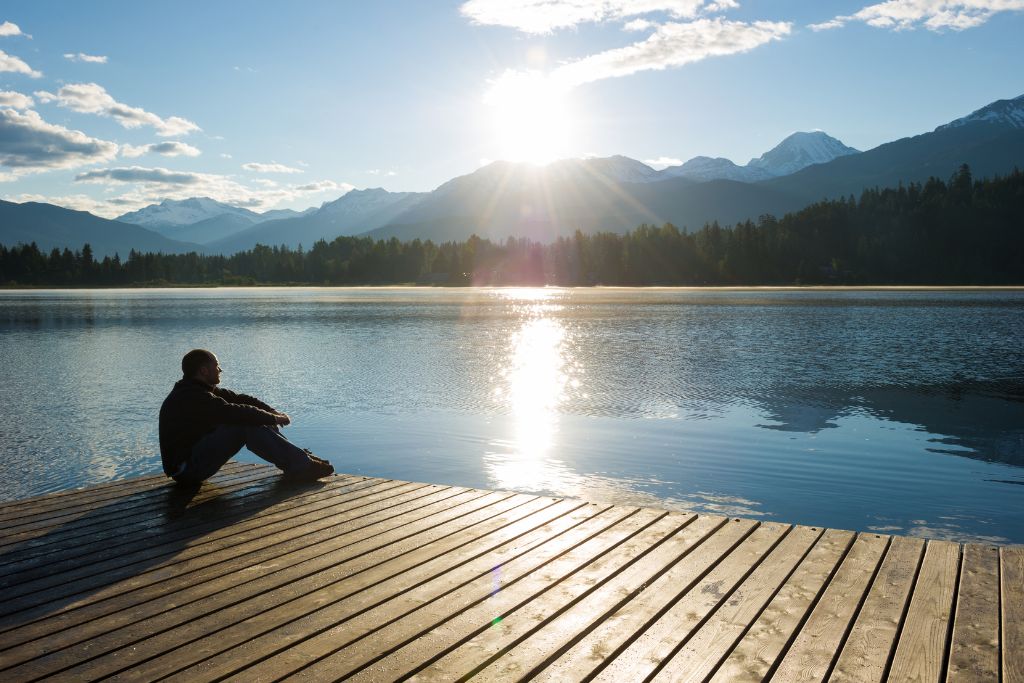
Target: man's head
[(201, 365)]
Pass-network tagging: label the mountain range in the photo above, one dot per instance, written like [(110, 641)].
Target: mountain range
[(505, 199)]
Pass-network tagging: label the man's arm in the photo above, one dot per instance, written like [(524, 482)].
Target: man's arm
[(243, 399), (231, 397)]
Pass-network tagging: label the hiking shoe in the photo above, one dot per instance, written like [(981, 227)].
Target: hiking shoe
[(317, 469), (316, 459)]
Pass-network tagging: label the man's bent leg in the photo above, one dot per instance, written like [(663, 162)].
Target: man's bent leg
[(271, 445), (211, 452)]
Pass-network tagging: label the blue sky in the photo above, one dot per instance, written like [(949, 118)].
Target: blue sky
[(109, 106)]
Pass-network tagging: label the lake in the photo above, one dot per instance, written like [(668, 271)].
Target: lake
[(895, 411)]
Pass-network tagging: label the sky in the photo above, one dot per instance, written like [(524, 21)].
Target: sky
[(108, 106)]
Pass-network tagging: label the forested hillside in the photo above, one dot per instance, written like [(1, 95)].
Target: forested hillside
[(960, 231)]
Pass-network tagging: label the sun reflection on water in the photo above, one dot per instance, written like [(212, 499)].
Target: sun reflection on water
[(532, 386)]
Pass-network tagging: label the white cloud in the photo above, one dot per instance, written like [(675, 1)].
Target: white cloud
[(172, 148), (151, 185), (324, 186), (546, 16), (29, 143), (15, 65), (15, 100), (270, 168), (265, 182), (672, 44), (139, 174), (936, 15), (663, 162), (638, 25), (8, 29), (91, 98), (377, 171), (82, 57), (225, 155)]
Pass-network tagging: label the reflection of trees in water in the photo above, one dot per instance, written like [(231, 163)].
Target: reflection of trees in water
[(976, 419)]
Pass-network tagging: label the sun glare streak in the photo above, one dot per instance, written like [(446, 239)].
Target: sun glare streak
[(533, 386), (530, 116)]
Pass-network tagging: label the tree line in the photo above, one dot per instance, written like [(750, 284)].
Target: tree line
[(960, 231)]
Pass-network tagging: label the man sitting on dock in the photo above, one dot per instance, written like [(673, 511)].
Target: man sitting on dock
[(203, 426)]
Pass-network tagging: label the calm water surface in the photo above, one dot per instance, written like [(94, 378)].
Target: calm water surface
[(898, 411)]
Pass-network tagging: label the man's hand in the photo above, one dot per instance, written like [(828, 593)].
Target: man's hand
[(282, 419)]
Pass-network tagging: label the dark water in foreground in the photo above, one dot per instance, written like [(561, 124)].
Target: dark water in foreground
[(897, 411)]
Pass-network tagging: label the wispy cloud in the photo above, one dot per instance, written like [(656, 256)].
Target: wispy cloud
[(15, 100), (270, 168), (674, 44), (935, 15), (8, 29), (324, 186), (546, 16), (139, 174), (663, 162), (13, 64), (82, 57), (690, 36), (670, 45), (29, 143), (167, 149), (151, 185), (91, 98), (377, 171)]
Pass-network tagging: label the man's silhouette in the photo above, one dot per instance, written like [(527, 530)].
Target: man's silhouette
[(203, 426)]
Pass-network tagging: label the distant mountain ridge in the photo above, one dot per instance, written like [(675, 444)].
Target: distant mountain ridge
[(615, 193), (1001, 113), (54, 227)]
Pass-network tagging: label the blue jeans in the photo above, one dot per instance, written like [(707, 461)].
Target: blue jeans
[(211, 452)]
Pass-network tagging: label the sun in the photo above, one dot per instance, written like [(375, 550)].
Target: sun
[(530, 116)]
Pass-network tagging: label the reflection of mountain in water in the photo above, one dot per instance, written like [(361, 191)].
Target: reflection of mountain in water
[(985, 418)]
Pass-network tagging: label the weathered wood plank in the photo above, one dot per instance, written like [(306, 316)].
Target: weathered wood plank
[(371, 579), (449, 633), (40, 515), (175, 639), (540, 646), (865, 655), (660, 640), (557, 592), (272, 505), (700, 546), (760, 648), (109, 490), (123, 604), (1011, 580), (921, 650), (453, 597), (699, 657), (186, 598), (93, 575), (125, 509), (974, 649), (821, 636)]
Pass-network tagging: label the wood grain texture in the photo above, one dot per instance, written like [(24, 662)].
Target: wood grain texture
[(974, 651), (922, 647), (1011, 579), (370, 579), (865, 655)]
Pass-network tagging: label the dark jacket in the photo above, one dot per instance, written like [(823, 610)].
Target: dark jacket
[(193, 409)]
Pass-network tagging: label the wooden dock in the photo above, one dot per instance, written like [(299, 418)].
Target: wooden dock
[(248, 579)]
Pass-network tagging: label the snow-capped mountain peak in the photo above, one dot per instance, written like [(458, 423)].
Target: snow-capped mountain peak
[(1003, 112), (359, 202), (799, 151), (621, 169), (177, 212)]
